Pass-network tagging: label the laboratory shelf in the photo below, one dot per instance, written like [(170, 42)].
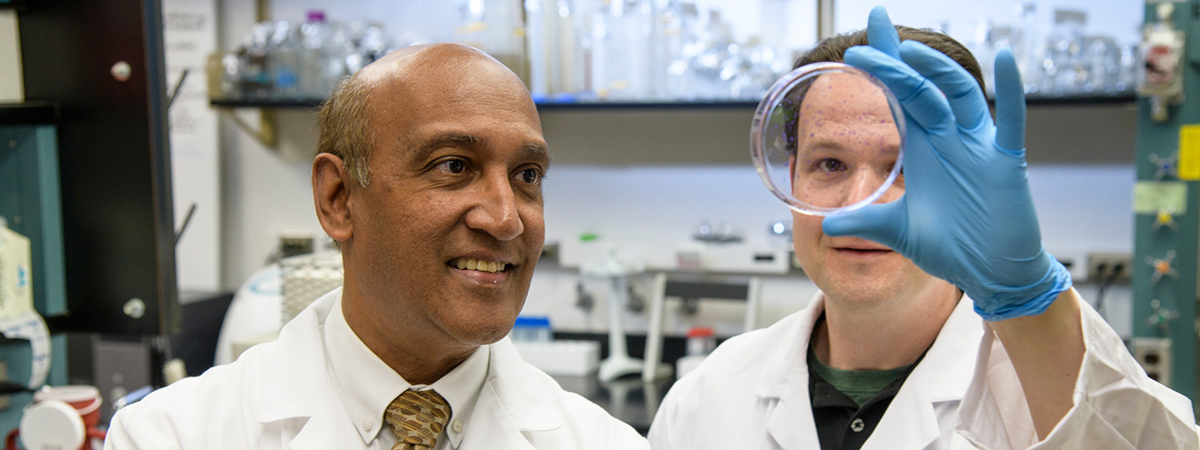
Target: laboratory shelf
[(733, 104), (29, 113), (292, 103), (1078, 100), (311, 103)]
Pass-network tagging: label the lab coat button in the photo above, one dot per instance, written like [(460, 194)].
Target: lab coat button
[(367, 424), (456, 426), (857, 425)]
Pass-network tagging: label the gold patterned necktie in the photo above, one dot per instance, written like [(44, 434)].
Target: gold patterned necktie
[(417, 418)]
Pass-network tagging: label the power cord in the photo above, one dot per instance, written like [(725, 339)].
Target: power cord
[(1106, 281)]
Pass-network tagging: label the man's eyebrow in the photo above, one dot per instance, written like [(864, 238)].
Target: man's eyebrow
[(536, 151), (462, 140), (468, 141), (822, 144), (828, 145)]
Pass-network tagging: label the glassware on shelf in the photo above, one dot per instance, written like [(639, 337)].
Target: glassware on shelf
[(1068, 62), (566, 50), (1065, 68), (285, 60), (1028, 47), (253, 73), (290, 61)]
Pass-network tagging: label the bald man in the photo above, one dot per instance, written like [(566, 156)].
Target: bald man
[(428, 175)]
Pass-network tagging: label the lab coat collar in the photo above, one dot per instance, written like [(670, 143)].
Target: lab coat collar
[(786, 383), (518, 389), (297, 380), (941, 376)]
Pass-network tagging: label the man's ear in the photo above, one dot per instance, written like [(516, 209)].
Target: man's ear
[(331, 194)]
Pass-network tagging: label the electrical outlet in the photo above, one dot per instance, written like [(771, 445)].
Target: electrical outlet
[(1154, 354), (1110, 267)]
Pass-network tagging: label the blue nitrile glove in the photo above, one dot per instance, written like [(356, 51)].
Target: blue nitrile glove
[(967, 215)]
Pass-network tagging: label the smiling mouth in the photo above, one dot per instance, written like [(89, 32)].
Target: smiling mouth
[(481, 266)]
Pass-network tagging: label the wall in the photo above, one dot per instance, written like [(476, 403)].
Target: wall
[(1083, 207), (190, 35), (650, 176)]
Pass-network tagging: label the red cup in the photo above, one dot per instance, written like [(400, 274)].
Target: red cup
[(85, 399)]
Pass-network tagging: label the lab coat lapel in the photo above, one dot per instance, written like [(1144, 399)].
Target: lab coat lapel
[(512, 403), (318, 434), (790, 422), (296, 384), (942, 377), (296, 373), (491, 425)]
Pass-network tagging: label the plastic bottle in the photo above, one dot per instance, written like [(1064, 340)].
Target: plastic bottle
[(314, 73), (701, 341), (285, 60), (532, 329)]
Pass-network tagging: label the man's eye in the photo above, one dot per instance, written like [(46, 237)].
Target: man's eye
[(531, 176), (453, 166), (830, 165)]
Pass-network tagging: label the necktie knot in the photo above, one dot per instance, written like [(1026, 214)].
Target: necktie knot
[(417, 418)]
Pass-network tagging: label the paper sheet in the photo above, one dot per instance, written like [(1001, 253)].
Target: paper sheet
[(29, 325)]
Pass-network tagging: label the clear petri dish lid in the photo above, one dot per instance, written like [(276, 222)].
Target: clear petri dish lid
[(829, 138)]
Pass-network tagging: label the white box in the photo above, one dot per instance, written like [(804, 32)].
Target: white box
[(571, 358)]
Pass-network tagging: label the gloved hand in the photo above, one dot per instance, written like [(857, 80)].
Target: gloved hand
[(967, 215)]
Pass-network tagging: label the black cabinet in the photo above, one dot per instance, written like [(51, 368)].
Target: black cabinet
[(102, 62)]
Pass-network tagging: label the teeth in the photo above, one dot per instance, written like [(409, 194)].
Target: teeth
[(482, 266)]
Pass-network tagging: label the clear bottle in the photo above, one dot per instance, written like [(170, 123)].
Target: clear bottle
[(254, 73), (622, 49), (1127, 76), (1066, 52), (285, 60), (668, 48), (314, 37), (711, 52), (540, 46), (1029, 48), (597, 44), (681, 74), (569, 62), (1104, 62)]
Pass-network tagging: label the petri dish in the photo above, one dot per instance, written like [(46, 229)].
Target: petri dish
[(829, 138)]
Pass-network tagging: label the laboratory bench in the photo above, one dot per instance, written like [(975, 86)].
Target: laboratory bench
[(628, 399)]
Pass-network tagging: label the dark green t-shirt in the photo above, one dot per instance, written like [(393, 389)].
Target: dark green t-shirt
[(859, 385), (847, 405)]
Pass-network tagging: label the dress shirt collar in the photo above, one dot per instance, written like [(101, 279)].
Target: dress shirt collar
[(367, 385)]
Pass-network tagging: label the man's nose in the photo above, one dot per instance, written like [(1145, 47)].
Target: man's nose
[(495, 209), (862, 184)]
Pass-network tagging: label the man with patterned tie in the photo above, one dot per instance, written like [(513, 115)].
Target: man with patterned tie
[(429, 178)]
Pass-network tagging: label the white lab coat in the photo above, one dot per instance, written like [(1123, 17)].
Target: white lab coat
[(278, 395), (752, 392)]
